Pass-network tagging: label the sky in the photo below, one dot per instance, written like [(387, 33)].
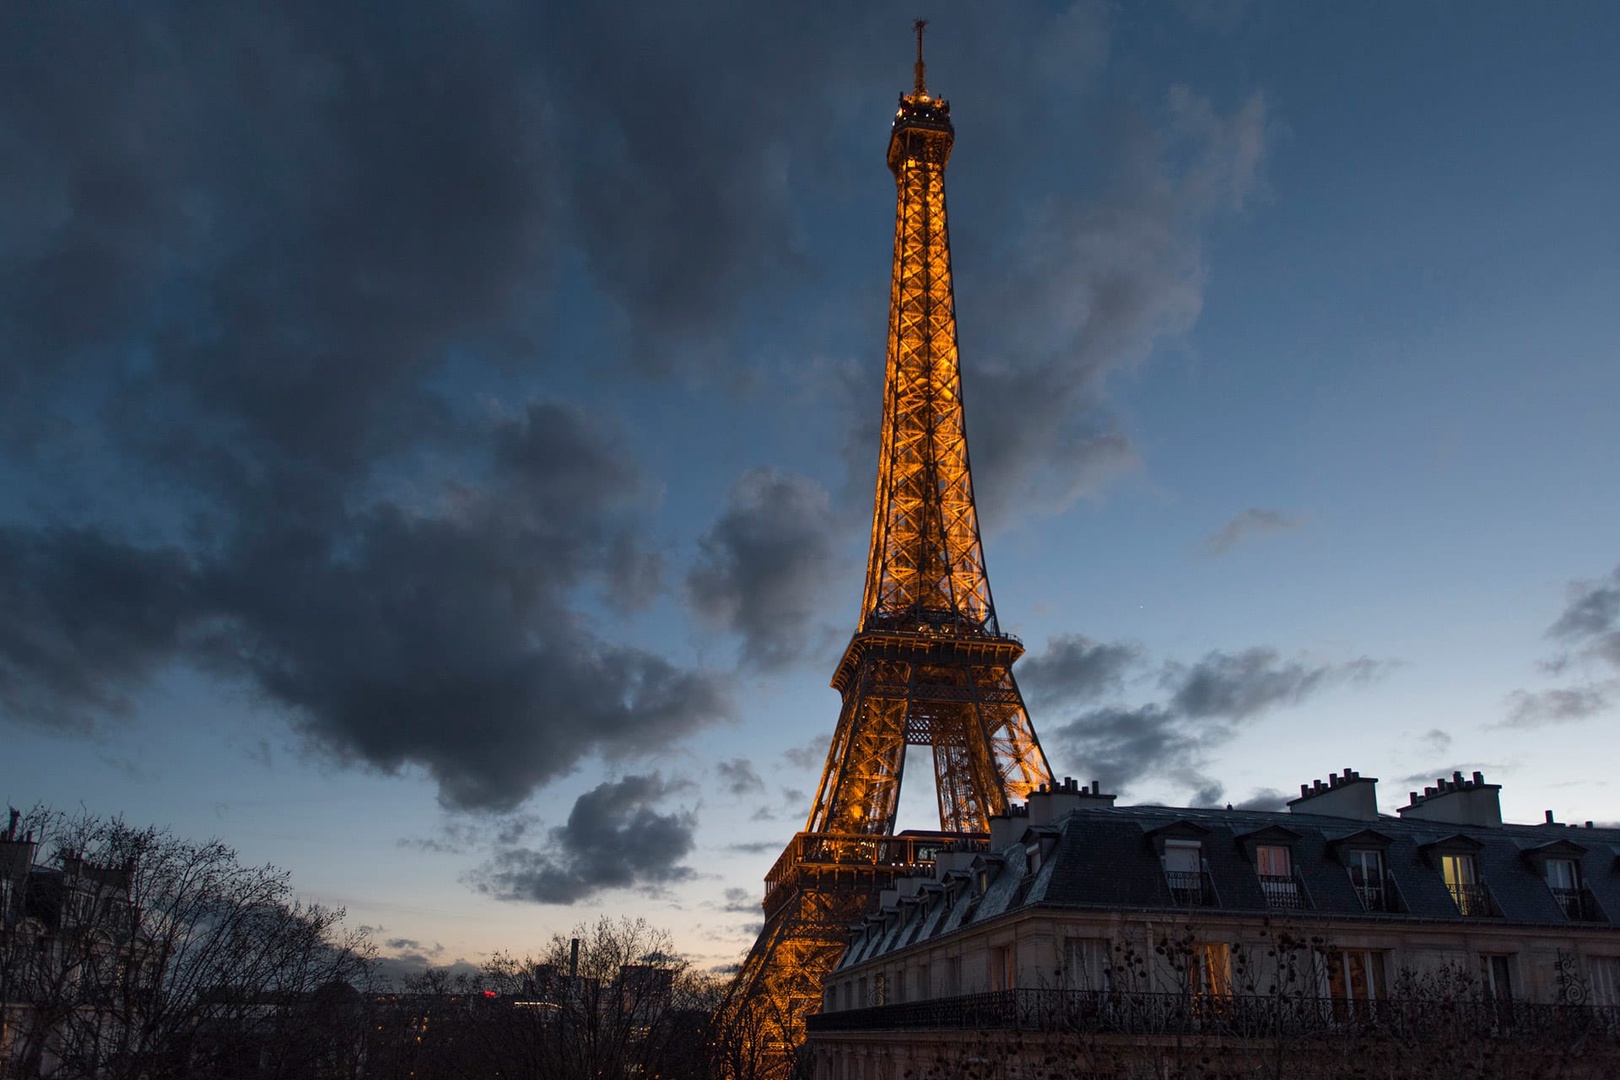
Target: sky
[(437, 442)]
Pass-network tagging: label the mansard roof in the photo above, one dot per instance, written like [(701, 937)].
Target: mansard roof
[(1106, 858)]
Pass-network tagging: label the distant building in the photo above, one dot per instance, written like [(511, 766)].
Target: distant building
[(1126, 930), (66, 931)]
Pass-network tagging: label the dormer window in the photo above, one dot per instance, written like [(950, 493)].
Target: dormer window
[(1461, 875), (1367, 875), (1274, 864), (1564, 879), (1184, 870)]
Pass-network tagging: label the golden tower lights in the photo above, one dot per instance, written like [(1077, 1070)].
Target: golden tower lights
[(928, 664)]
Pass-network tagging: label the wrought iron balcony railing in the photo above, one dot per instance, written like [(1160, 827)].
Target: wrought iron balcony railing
[(1283, 892), (1578, 905), (1472, 900), (1189, 888), (1242, 1016)]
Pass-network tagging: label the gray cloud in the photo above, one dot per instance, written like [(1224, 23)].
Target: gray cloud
[(765, 563), (812, 755), (1241, 685), (1093, 286), (1265, 799), (1589, 630), (613, 839), (1561, 705), (739, 777), (741, 901), (1208, 702), (1251, 522), (1074, 669), (1590, 622)]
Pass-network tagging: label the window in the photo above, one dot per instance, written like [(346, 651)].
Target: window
[(1495, 978), (1355, 977), (1209, 971), (1272, 862), (860, 994), (1462, 881), (1087, 964), (924, 990), (1367, 875), (1564, 879), (1184, 871), (1605, 973), (1003, 968), (880, 987), (953, 976)]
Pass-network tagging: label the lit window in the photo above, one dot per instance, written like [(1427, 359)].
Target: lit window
[(1272, 863), (1462, 881), (1209, 971), (1605, 977)]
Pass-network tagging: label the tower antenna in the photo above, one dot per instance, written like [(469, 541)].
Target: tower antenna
[(922, 85)]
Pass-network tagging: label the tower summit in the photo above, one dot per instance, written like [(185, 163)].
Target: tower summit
[(928, 664)]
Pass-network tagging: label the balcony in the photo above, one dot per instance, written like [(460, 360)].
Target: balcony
[(1578, 905), (1473, 900), (1283, 893), (1189, 888), (1238, 1016)]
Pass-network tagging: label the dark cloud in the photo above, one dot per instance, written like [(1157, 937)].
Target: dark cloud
[(755, 847), (765, 564), (1074, 669), (1251, 522), (1208, 703), (1094, 285), (739, 777), (1269, 799), (441, 637), (613, 839), (1237, 686)]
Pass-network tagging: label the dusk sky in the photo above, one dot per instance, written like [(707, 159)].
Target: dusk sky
[(437, 443)]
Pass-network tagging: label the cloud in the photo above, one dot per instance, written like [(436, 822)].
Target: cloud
[(1561, 705), (1590, 622), (764, 565), (739, 777), (1589, 630), (812, 755), (1269, 799), (1074, 669), (1208, 702), (1094, 285), (613, 839), (741, 901), (1251, 522), (1240, 685)]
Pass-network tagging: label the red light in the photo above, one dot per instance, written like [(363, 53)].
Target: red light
[(489, 993)]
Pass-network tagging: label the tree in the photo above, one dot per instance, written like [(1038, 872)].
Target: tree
[(610, 1001), (131, 952)]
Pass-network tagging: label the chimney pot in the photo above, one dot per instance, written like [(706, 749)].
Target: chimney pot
[(1550, 818), (1479, 777)]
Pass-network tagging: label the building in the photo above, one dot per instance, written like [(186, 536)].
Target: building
[(1119, 934)]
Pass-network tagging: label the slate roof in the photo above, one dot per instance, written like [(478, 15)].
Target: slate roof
[(1104, 857)]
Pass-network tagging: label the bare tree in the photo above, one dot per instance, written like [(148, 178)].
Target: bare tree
[(130, 952)]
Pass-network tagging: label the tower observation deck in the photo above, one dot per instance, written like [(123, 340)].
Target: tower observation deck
[(928, 664)]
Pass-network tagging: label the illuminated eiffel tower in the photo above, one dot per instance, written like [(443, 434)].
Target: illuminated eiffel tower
[(928, 664)]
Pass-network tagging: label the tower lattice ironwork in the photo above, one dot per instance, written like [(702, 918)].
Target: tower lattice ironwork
[(928, 664)]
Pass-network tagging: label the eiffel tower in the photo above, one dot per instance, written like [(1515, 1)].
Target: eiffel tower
[(928, 665)]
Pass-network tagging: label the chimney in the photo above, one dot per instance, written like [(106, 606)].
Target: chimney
[(1046, 805), (1458, 802), (1350, 796), (573, 959), (1008, 828)]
